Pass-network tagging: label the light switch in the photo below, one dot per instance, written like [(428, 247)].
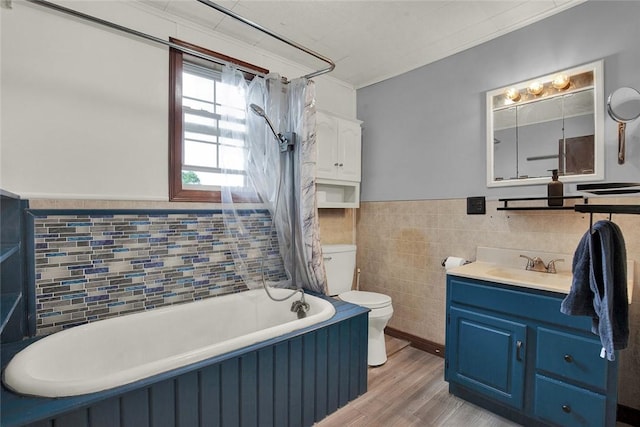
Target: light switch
[(476, 205)]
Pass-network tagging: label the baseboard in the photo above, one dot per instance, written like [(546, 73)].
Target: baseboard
[(417, 342), (628, 415)]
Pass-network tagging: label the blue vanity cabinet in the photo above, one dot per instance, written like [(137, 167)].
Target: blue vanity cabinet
[(509, 349)]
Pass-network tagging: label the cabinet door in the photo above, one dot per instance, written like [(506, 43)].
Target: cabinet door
[(327, 146), (487, 354), (349, 150)]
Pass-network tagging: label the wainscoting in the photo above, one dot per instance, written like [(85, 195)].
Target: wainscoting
[(293, 380)]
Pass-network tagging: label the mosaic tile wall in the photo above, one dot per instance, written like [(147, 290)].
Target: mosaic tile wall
[(91, 267)]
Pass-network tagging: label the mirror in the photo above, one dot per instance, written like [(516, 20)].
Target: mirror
[(623, 106), (551, 122)]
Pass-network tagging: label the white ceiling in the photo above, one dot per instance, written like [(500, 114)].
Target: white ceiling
[(369, 41)]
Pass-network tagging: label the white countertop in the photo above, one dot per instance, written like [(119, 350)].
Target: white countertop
[(505, 266), (558, 282)]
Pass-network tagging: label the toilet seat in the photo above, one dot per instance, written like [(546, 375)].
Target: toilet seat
[(371, 300)]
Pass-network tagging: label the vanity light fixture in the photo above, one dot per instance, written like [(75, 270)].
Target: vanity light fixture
[(513, 94), (571, 97), (561, 81), (535, 88)]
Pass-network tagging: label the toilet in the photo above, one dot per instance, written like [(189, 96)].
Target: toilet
[(340, 263)]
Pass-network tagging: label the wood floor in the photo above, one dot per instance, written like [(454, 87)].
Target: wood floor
[(409, 390)]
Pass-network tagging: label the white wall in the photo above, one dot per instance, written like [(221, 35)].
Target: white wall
[(84, 109)]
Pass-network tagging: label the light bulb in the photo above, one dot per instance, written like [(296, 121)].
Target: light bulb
[(513, 94), (535, 88), (561, 81)]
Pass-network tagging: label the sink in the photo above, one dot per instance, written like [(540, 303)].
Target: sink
[(505, 266), (525, 275), (555, 282), (558, 282)]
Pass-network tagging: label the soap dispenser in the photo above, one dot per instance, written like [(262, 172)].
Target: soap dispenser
[(555, 189)]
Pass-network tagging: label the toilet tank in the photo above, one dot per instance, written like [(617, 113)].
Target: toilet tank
[(339, 263)]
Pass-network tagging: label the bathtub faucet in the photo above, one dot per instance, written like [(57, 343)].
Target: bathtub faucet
[(300, 307)]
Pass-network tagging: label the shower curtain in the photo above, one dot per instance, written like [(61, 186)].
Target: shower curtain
[(288, 195)]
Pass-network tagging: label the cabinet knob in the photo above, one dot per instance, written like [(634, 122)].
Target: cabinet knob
[(566, 408), (336, 164), (568, 358), (341, 164)]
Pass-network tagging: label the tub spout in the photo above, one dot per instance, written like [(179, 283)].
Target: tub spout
[(300, 307)]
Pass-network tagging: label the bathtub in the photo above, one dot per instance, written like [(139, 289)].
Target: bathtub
[(122, 350)]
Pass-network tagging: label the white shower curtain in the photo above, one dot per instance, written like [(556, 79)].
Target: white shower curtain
[(302, 113), (291, 108)]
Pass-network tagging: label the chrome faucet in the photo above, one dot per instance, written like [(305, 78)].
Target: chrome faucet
[(300, 307), (551, 267), (536, 264)]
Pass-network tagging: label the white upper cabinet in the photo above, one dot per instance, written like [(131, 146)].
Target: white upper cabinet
[(339, 144)]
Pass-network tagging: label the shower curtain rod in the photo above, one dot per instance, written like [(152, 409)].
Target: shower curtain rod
[(145, 36), (276, 36), (191, 51)]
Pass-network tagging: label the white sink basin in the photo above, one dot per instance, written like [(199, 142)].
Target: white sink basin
[(525, 275), (507, 266), (560, 282), (554, 282)]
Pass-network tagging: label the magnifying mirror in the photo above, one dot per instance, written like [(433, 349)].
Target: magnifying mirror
[(623, 106)]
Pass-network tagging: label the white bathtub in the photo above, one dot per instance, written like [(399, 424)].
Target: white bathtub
[(113, 352)]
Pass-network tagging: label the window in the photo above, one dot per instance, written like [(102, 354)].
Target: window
[(206, 122)]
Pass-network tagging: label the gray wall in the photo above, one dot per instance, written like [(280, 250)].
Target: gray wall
[(424, 131)]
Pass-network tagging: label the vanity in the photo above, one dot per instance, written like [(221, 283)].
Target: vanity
[(511, 350)]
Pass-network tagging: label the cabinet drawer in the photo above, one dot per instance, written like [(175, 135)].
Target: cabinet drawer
[(571, 357), (567, 405), (520, 302)]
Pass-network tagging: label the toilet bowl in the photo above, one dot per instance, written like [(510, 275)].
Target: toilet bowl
[(340, 262), (381, 312)]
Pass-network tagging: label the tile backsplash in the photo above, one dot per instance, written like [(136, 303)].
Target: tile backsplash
[(98, 265)]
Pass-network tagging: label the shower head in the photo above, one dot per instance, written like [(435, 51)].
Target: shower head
[(259, 111), (286, 141)]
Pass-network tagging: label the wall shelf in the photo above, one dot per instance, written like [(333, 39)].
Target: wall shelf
[(609, 188), (609, 209), (337, 194), (506, 206)]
